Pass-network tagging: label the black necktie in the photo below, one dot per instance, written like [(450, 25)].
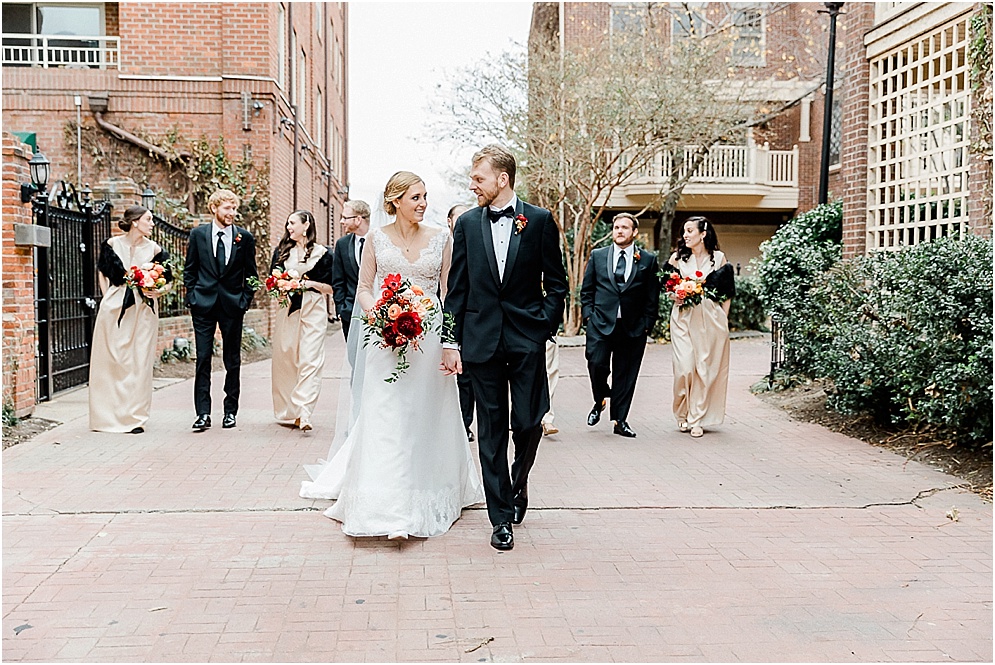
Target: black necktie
[(361, 241), (220, 253), (620, 269), (496, 215)]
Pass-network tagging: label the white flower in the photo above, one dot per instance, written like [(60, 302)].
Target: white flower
[(148, 266), (293, 274)]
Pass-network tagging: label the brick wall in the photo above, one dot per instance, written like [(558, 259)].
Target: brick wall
[(852, 180), (18, 285)]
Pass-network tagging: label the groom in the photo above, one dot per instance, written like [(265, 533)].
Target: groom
[(506, 291)]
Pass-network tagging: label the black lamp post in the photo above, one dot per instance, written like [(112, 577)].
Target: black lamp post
[(148, 199), (40, 168), (833, 9)]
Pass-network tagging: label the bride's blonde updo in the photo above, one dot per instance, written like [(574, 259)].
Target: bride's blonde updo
[(396, 186)]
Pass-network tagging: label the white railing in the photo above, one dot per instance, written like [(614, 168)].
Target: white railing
[(60, 51), (747, 164)]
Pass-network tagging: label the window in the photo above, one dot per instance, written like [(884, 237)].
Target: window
[(319, 17), (836, 128), (628, 18), (689, 20), (302, 89), (748, 48), (54, 26), (918, 139), (281, 46), (319, 120)]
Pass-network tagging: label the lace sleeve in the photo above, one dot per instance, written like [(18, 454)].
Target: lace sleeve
[(367, 274), (447, 261)]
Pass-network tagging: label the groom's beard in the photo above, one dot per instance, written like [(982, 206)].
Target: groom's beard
[(486, 198)]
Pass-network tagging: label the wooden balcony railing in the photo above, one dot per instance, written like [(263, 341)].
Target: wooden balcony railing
[(727, 164), (26, 50)]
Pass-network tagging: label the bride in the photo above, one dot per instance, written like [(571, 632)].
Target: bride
[(404, 467)]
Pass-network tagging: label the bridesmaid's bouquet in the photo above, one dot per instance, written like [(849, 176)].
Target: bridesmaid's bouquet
[(149, 279), (398, 320), (685, 291), (280, 284)]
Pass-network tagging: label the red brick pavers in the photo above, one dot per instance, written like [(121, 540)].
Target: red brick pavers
[(766, 540)]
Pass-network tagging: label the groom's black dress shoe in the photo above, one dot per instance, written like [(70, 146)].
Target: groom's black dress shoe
[(229, 421), (521, 503), (502, 538), (595, 415), (202, 423), (622, 429)]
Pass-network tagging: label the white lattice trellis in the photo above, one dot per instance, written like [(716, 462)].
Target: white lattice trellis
[(919, 136)]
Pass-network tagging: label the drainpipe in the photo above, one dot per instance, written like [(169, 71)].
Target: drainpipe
[(325, 134), (292, 52)]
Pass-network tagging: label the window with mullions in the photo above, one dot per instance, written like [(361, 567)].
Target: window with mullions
[(748, 48), (688, 20), (836, 128), (628, 18)]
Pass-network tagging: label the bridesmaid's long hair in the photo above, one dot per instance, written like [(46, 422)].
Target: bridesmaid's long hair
[(287, 243), (711, 240)]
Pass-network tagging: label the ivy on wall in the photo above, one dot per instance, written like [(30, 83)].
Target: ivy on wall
[(979, 54)]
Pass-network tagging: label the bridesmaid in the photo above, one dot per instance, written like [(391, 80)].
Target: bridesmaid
[(126, 329), (299, 334), (699, 334)]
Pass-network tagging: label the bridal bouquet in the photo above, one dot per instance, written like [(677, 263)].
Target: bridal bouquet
[(149, 279), (687, 291), (281, 285), (398, 320)]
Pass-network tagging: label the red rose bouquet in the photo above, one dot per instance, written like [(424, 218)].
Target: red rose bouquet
[(149, 279), (280, 284), (685, 291), (399, 320)]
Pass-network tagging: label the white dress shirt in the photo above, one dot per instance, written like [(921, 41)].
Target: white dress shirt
[(226, 239), (501, 235), (628, 254), (355, 248)]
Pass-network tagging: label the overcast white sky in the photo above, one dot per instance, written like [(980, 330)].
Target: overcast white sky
[(398, 52)]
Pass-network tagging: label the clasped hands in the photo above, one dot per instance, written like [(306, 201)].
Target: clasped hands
[(451, 362)]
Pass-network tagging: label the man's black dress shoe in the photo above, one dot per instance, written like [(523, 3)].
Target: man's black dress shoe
[(137, 430), (595, 415), (521, 503), (229, 421), (622, 429), (202, 422), (502, 538)]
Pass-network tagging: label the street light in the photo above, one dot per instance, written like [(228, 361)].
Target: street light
[(40, 168), (833, 9), (148, 198)]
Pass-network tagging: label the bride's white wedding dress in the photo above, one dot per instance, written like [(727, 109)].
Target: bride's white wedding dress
[(405, 468)]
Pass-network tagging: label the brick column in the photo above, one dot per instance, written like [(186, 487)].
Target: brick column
[(859, 18), (18, 285)]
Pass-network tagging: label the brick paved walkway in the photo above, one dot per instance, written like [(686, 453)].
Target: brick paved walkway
[(767, 540)]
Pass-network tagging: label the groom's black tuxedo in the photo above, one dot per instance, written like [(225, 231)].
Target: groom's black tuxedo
[(218, 297), (618, 317), (345, 279), (502, 326)]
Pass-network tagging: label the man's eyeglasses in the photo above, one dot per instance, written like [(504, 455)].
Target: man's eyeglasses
[(353, 217)]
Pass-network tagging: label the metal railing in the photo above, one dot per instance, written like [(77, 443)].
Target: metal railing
[(27, 50), (174, 240)]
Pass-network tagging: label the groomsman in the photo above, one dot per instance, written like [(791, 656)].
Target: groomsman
[(346, 259), (463, 380), (507, 286), (619, 303), (221, 257)]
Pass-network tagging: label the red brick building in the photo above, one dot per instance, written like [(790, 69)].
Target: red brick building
[(748, 189), (154, 85)]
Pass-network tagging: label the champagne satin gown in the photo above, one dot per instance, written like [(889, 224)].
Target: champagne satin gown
[(123, 352), (699, 338), (299, 347)]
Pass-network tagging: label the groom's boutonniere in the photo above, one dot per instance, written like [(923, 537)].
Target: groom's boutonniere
[(520, 224), (635, 254), (238, 237)]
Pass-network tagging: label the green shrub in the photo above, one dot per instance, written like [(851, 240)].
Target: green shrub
[(10, 419), (791, 261), (747, 310), (907, 336)]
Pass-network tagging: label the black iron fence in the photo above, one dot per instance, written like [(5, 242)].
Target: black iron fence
[(66, 292), (776, 350), (174, 240)]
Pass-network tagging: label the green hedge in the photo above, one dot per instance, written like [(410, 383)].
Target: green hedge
[(905, 335)]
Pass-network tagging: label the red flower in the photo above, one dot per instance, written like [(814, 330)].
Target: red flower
[(697, 273), (387, 295), (270, 283), (392, 282), (409, 324), (520, 223), (238, 237), (390, 335)]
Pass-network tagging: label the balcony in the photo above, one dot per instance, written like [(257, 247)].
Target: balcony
[(77, 52), (731, 177)]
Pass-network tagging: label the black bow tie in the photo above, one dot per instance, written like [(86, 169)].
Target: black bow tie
[(496, 215)]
